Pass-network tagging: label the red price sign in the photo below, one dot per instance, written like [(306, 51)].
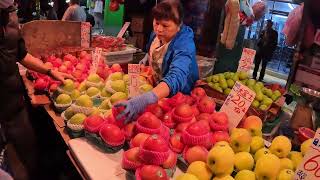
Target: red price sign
[(309, 169), (134, 72), (96, 59), (246, 59), (237, 103), (317, 37), (85, 34)]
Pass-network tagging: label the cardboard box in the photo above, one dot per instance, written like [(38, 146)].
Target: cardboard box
[(137, 24)]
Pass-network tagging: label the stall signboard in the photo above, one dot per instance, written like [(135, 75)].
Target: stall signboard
[(237, 103), (85, 34), (246, 60), (309, 168), (96, 59), (133, 72), (317, 37)]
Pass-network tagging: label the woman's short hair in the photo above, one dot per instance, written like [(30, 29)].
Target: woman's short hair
[(168, 10)]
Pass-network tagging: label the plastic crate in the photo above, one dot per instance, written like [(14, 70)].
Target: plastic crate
[(119, 57)]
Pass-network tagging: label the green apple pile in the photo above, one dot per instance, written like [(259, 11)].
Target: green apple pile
[(224, 82), (245, 157)]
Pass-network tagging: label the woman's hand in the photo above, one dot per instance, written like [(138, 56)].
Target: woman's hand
[(136, 105), (144, 60), (61, 76)]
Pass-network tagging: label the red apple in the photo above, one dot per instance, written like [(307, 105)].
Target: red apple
[(205, 124), (197, 129), (206, 105), (132, 155), (116, 68), (204, 116), (195, 153), (184, 110), (189, 100), (81, 67), (51, 58), (63, 69), (195, 110), (112, 135), (220, 136), (53, 87), (177, 99), (155, 143), (176, 143), (171, 161), (82, 54), (57, 62), (41, 84), (198, 93), (139, 139), (128, 130), (77, 74), (156, 110), (219, 121), (68, 64), (164, 104), (167, 120), (93, 123), (182, 127), (152, 172), (149, 120), (48, 64)]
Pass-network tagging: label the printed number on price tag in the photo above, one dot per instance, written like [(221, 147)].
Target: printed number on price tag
[(246, 59)]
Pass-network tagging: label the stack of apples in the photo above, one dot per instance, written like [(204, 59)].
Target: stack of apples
[(108, 43), (224, 82), (246, 157)]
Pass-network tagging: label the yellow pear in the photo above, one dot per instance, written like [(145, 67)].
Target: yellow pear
[(280, 146), (267, 167), (221, 160), (227, 177), (240, 140), (186, 176), (305, 146), (285, 174), (286, 163), (256, 144), (260, 153), (200, 170), (243, 160), (296, 158), (222, 143), (245, 175)]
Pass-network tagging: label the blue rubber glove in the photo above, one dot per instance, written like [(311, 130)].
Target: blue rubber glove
[(136, 105), (144, 60)]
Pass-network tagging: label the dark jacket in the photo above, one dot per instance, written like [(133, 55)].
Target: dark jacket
[(268, 42)]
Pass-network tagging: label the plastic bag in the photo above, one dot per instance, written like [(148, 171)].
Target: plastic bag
[(292, 26)]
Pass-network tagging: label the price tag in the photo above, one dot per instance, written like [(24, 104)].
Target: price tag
[(246, 60), (237, 103), (85, 34), (317, 37), (309, 168), (134, 73), (96, 60)]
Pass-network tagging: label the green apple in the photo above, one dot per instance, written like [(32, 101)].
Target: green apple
[(281, 146), (94, 78), (264, 90), (221, 160), (250, 87), (267, 167), (116, 76), (68, 113), (274, 97), (230, 83), (126, 78), (92, 91), (68, 85), (145, 88), (235, 78), (226, 75), (63, 99), (259, 96), (211, 84), (209, 79), (245, 175), (286, 174), (243, 75), (118, 96), (256, 144), (215, 78), (277, 93), (268, 92), (251, 82), (244, 82), (84, 101), (240, 139), (118, 85), (263, 107), (223, 83), (267, 101), (105, 105), (260, 84), (255, 103), (227, 91), (77, 118), (105, 93), (257, 88), (243, 160), (75, 94)]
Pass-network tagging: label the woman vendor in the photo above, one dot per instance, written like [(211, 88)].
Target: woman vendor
[(172, 56)]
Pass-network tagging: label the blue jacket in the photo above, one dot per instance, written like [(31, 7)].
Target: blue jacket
[(179, 66)]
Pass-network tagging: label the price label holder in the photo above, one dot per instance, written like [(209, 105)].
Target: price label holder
[(96, 60), (134, 73), (309, 168), (317, 38), (85, 34), (246, 60), (237, 103)]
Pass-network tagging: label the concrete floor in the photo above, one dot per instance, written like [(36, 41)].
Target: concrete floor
[(273, 77)]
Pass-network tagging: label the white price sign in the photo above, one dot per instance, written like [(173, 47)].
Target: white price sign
[(237, 103), (134, 73), (96, 60), (317, 37), (246, 60), (309, 168)]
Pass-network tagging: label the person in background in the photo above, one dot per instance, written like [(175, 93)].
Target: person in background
[(90, 18), (14, 117), (266, 46), (172, 56), (51, 14), (98, 8), (74, 12)]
